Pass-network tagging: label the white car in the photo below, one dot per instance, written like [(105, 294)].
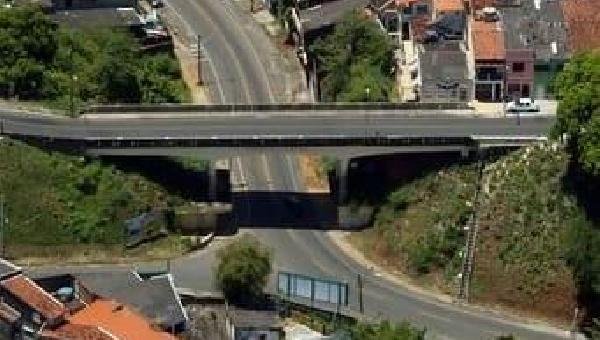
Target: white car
[(523, 105)]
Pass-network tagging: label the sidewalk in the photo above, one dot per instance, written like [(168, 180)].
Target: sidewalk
[(182, 47), (293, 79)]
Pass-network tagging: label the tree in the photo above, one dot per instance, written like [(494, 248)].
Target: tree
[(243, 270), (355, 61), (578, 89), (27, 44)]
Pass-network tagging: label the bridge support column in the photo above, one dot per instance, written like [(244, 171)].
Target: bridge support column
[(212, 181), (464, 152), (341, 173)]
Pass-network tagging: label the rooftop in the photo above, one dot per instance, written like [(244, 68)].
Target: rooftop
[(448, 5), (488, 40), (583, 23), (34, 296), (115, 319), (443, 61), (382, 4), (8, 314), (8, 269), (155, 298), (263, 319), (539, 28)]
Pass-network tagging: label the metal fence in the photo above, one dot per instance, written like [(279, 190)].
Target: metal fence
[(301, 286)]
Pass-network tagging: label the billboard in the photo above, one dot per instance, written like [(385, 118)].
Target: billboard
[(314, 289)]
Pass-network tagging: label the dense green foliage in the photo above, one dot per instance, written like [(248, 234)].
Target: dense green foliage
[(54, 199), (40, 61), (243, 269), (355, 62), (429, 235), (578, 88), (384, 330)]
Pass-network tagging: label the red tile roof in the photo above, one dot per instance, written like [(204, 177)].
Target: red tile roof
[(583, 24), (448, 5), (488, 40), (34, 296), (78, 332), (117, 320)]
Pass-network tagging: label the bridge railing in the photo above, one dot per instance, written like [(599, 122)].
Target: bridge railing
[(220, 108)]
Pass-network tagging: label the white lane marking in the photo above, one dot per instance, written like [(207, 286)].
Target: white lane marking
[(267, 171), (240, 171), (208, 57), (254, 53), (238, 66)]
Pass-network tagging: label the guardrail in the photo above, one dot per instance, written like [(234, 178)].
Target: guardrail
[(161, 108), (117, 142)]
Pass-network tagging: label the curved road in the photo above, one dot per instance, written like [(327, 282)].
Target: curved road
[(243, 60)]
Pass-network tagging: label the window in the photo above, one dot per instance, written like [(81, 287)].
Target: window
[(518, 67), (422, 9)]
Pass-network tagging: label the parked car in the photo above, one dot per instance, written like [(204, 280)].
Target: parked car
[(523, 105), (157, 3)]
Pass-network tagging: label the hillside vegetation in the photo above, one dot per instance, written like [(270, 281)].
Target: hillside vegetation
[(55, 199), (527, 222)]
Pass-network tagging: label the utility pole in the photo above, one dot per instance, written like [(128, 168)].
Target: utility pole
[(199, 55), (360, 294), (2, 220), (71, 90)]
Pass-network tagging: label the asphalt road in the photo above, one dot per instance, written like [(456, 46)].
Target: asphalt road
[(310, 126), (242, 77)]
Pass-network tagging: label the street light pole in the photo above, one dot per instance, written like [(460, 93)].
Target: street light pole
[(2, 223), (199, 56), (368, 98)]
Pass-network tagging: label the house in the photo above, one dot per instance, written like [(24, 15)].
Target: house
[(69, 310), (36, 306), (520, 54), (244, 324), (444, 75), (489, 55), (106, 319), (10, 322), (536, 46), (154, 298), (396, 16)]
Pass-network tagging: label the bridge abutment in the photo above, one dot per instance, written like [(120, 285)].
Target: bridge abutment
[(212, 181), (341, 173)]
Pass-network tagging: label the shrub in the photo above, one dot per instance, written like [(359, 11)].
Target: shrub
[(243, 270)]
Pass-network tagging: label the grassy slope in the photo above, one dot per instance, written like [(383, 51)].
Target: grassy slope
[(54, 199), (523, 225), (524, 220)]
